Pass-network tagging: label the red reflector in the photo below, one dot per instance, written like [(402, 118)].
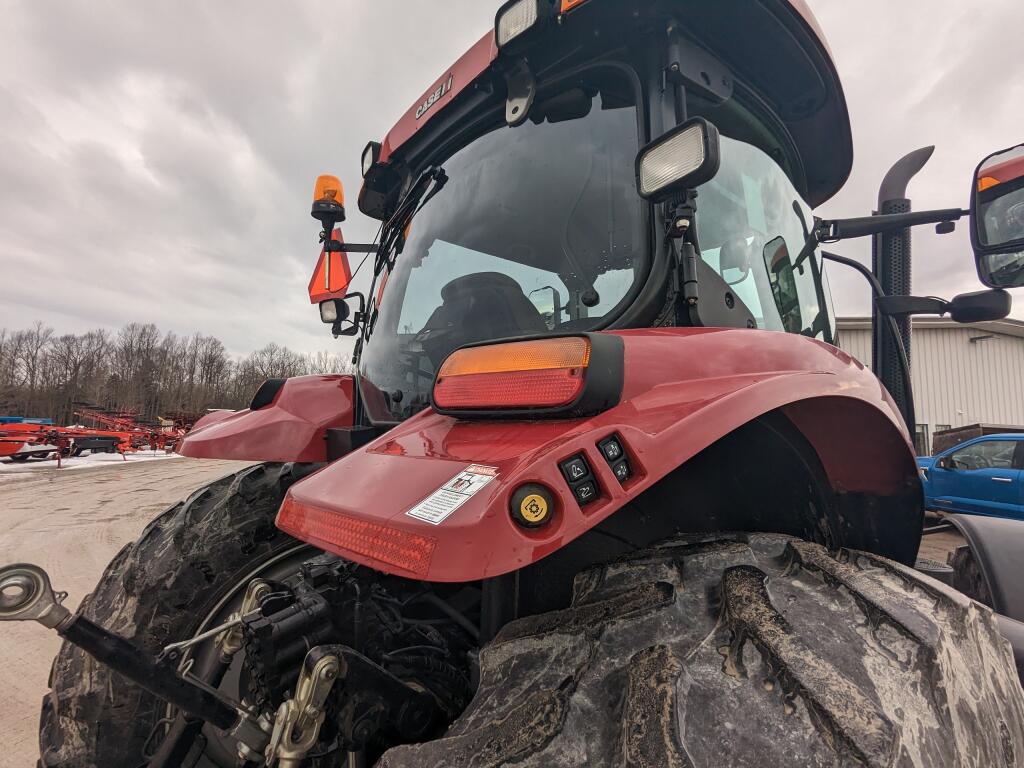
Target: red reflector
[(341, 535), (513, 389)]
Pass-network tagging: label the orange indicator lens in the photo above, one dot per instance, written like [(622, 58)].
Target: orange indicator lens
[(546, 373), (328, 188)]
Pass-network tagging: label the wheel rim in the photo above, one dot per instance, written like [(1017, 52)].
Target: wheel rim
[(219, 751)]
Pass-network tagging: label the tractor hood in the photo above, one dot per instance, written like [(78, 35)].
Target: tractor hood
[(775, 49), (434, 497)]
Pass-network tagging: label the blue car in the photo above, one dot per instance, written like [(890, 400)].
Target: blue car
[(979, 477)]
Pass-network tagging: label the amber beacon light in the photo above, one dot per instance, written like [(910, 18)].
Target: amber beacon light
[(556, 376)]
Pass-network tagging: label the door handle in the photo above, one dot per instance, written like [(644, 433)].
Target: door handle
[(1002, 480)]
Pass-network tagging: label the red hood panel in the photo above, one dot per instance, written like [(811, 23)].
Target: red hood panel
[(684, 389), (292, 428)]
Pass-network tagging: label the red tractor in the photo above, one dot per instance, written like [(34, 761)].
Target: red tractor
[(603, 491)]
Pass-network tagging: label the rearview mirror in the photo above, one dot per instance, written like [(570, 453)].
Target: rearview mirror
[(997, 218), (980, 306), (683, 158)]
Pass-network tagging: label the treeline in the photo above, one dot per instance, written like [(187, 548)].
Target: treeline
[(138, 368)]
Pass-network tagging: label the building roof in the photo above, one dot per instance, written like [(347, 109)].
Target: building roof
[(1006, 327)]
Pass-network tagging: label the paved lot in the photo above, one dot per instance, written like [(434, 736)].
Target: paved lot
[(72, 523)]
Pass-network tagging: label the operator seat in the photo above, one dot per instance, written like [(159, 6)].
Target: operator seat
[(478, 307)]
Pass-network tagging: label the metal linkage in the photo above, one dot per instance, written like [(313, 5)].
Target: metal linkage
[(298, 720), (26, 595)]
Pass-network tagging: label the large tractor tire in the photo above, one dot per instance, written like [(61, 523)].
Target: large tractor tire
[(186, 563), (745, 650)]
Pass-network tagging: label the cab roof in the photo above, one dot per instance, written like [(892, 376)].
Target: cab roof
[(776, 50)]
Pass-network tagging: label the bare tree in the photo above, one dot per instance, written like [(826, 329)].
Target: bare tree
[(137, 370), (326, 362)]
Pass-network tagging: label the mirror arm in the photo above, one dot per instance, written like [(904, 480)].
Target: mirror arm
[(333, 246), (911, 305), (833, 230), (880, 296)]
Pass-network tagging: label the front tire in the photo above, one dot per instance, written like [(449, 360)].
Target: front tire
[(155, 591), (743, 651)]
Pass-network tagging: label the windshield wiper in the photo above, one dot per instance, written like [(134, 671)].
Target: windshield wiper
[(427, 185), (422, 192)]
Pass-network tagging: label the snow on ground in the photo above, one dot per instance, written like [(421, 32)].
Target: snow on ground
[(11, 470)]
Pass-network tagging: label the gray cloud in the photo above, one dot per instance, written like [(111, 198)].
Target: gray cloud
[(921, 73), (156, 160)]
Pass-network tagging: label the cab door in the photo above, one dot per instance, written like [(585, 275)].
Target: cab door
[(984, 477)]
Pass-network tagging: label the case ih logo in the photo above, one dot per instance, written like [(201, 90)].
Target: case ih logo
[(433, 98)]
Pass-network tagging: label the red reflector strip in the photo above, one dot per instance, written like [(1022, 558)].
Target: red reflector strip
[(548, 388), (341, 535)]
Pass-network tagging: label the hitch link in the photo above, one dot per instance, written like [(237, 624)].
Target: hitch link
[(26, 595), (298, 720)]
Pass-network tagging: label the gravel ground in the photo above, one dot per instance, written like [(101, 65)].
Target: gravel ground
[(72, 523)]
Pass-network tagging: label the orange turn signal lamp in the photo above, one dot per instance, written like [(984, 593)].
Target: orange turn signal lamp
[(987, 182), (554, 376)]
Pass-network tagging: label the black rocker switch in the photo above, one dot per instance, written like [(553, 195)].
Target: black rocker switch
[(575, 469), (611, 448), (581, 481), (585, 492)]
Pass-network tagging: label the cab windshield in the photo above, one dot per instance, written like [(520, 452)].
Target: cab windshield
[(538, 230)]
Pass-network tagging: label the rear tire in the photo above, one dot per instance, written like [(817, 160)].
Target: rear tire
[(743, 650), (156, 591)]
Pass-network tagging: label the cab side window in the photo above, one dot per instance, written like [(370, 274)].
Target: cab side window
[(991, 454)]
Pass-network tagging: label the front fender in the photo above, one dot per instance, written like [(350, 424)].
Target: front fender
[(683, 390), (292, 426)]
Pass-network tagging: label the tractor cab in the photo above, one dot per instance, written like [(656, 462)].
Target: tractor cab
[(603, 491), (514, 202)]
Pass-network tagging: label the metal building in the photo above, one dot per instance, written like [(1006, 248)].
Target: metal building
[(962, 374)]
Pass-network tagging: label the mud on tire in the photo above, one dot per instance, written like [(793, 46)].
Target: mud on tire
[(747, 650), (155, 591)]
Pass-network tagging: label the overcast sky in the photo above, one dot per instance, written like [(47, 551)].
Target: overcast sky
[(157, 159)]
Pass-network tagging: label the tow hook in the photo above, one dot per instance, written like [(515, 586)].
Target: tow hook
[(26, 595)]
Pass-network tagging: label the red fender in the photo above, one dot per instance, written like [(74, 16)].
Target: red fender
[(292, 427), (684, 389)]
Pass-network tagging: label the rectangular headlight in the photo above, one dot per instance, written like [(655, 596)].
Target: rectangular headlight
[(370, 156), (685, 157), (514, 19)]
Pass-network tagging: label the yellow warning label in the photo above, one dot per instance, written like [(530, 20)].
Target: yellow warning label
[(533, 508)]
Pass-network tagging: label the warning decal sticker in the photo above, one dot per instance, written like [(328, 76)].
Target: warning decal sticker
[(439, 505)]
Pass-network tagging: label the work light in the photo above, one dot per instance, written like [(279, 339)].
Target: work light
[(333, 310), (370, 156), (513, 19), (683, 158)]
